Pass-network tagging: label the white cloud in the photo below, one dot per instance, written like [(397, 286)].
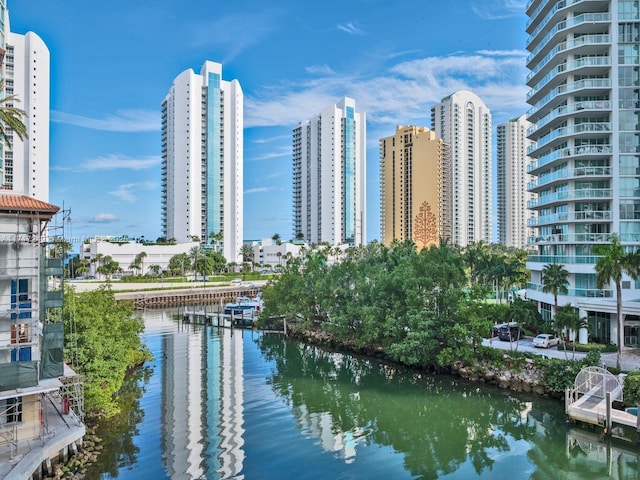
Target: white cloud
[(350, 28), (126, 120), (127, 191), (499, 9), (235, 33), (114, 161), (319, 70), (104, 218), (403, 93), (262, 190)]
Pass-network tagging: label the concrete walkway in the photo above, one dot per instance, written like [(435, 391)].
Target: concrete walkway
[(630, 357)]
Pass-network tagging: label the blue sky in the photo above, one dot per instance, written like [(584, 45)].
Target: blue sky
[(113, 62)]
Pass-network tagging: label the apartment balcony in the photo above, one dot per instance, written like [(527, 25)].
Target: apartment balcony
[(566, 217), (560, 135), (559, 74), (586, 23), (565, 259), (568, 195), (590, 151), (577, 292), (560, 94), (563, 112), (570, 238), (582, 173), (597, 44)]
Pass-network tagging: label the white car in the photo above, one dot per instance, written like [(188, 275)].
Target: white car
[(546, 340)]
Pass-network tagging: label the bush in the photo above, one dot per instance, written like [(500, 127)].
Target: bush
[(590, 347), (560, 374), (631, 392)]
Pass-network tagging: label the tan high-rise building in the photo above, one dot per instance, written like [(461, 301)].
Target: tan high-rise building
[(410, 186)]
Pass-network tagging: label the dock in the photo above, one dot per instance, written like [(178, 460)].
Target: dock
[(591, 401), (202, 316)]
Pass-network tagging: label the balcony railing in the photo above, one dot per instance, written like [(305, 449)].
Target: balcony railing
[(569, 217), (577, 292), (570, 238), (568, 152), (590, 40), (570, 195), (569, 173), (595, 127), (569, 109), (593, 83), (569, 23)]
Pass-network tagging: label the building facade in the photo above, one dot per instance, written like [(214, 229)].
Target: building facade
[(514, 218), (584, 75), (24, 164), (410, 185), (202, 160), (463, 122), (329, 176), (154, 257), (41, 400)]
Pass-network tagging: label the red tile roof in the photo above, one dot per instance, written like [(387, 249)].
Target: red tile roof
[(13, 203)]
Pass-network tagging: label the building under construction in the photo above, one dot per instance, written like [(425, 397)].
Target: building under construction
[(41, 399)]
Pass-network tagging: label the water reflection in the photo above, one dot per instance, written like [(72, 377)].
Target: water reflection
[(202, 402), (219, 404)]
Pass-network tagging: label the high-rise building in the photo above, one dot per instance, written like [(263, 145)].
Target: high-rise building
[(329, 175), (513, 216), (410, 167), (463, 122), (24, 164), (202, 160), (584, 75)]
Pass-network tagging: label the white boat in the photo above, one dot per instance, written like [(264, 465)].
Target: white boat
[(243, 306)]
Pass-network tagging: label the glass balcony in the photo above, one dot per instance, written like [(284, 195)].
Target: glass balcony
[(588, 150)]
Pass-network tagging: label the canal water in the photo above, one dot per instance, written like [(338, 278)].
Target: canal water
[(223, 404)]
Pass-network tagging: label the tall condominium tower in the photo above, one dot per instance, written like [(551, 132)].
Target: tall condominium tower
[(514, 219), (463, 122), (329, 194), (24, 165), (410, 167), (585, 108), (202, 155)]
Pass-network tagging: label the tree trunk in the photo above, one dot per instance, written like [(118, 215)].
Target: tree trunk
[(620, 325)]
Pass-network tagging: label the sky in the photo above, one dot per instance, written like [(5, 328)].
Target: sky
[(112, 64)]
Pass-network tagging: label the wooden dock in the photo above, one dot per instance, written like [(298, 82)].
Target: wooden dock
[(591, 401), (186, 296)]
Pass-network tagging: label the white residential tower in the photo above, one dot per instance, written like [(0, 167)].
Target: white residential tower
[(329, 175), (202, 160), (463, 122)]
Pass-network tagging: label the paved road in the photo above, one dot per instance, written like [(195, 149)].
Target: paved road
[(630, 357)]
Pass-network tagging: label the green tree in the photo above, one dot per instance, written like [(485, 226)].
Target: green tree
[(569, 320), (102, 341), (247, 252), (555, 279), (108, 267), (276, 239), (11, 117), (615, 261), (179, 263)]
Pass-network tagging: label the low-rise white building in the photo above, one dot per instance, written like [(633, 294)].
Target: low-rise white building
[(126, 251), (270, 254)]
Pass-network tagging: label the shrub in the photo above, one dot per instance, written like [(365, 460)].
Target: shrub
[(631, 390)]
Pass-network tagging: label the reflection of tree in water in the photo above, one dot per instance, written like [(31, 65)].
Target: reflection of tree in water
[(438, 427), (117, 433)]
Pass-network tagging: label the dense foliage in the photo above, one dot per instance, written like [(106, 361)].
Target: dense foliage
[(102, 341), (418, 307)]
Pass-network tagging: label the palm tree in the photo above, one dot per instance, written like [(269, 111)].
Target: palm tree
[(555, 279), (569, 320), (11, 118), (614, 261), (247, 253), (276, 238)]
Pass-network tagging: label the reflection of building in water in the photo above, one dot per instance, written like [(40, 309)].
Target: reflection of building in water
[(202, 398), (320, 426)]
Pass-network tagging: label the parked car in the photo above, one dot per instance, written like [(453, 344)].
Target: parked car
[(236, 280), (509, 333), (546, 340)]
